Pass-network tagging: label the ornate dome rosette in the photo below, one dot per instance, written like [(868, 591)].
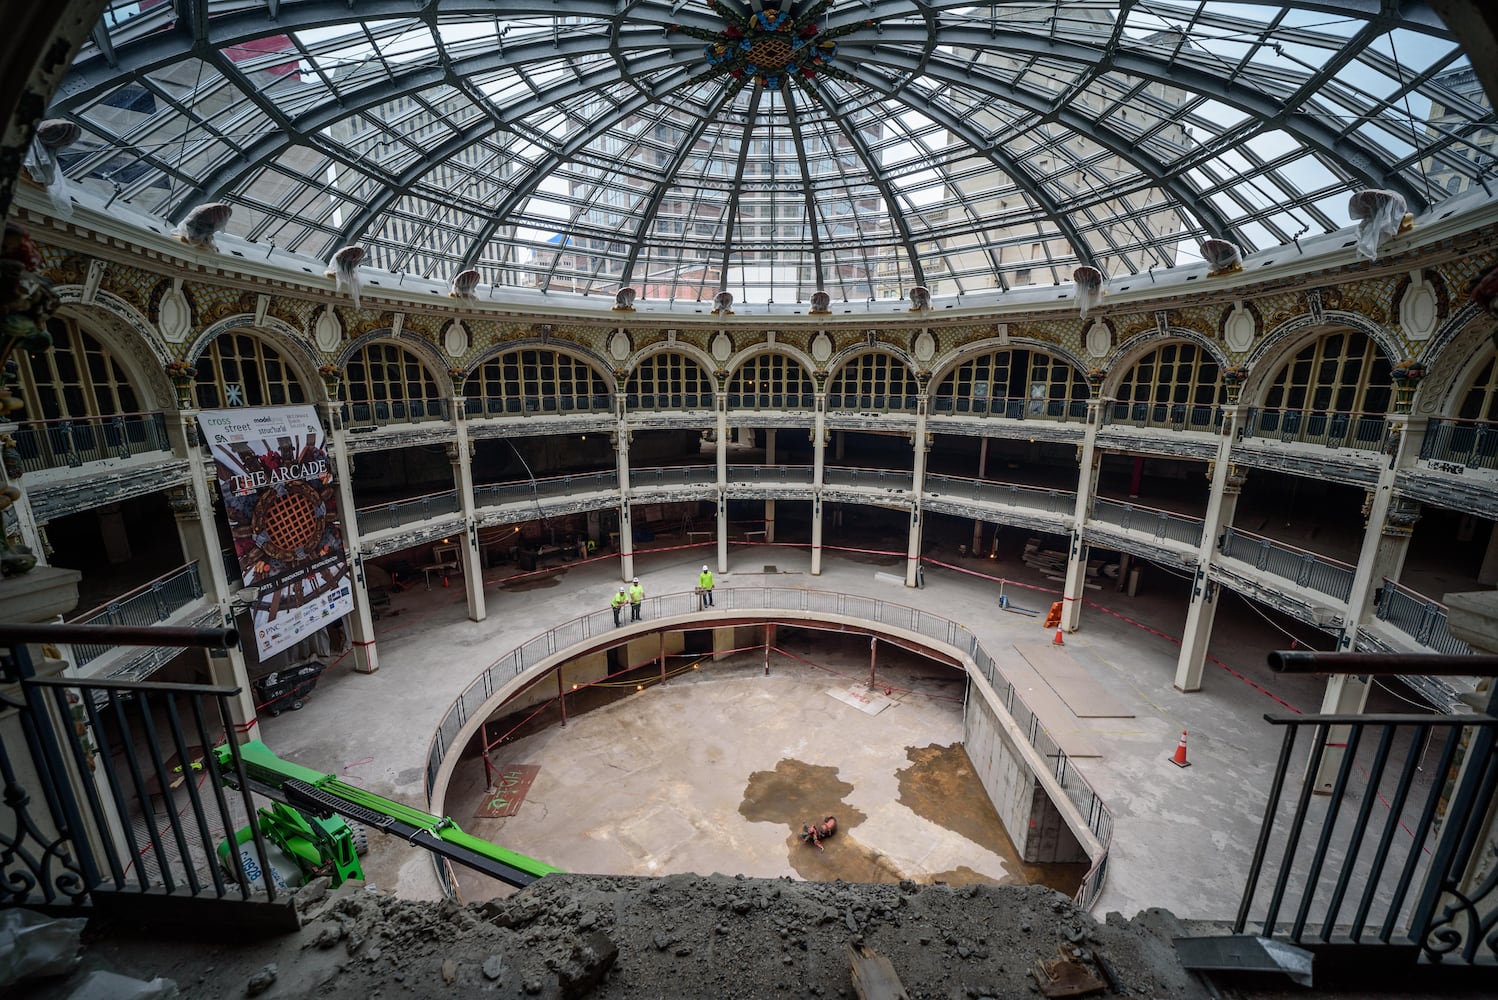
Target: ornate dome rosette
[(770, 45)]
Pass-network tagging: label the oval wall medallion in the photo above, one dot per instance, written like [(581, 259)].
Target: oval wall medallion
[(722, 347), (1419, 309), (327, 331), (174, 315), (821, 347), (619, 345), (455, 340), (924, 347), (1099, 339), (1238, 331)]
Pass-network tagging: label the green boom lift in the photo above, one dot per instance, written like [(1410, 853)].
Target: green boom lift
[(304, 822)]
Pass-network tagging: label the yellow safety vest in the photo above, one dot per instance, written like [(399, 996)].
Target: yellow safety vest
[(636, 594), (618, 601), (705, 581)]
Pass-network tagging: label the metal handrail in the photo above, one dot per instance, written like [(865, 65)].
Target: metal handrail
[(71, 442), (1010, 494), (1318, 425), (154, 601), (480, 407), (379, 517), (1179, 416), (1010, 407), (1417, 616), (1162, 524), (380, 412), (586, 628), (1471, 444), (1320, 573)]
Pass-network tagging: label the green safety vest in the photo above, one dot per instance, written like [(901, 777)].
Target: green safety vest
[(618, 601), (705, 581), (636, 594)]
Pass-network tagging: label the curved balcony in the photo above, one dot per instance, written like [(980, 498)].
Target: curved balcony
[(1010, 407), (71, 443), (526, 406), (385, 412), (1327, 428), (1169, 416), (161, 600), (1456, 445), (387, 516)]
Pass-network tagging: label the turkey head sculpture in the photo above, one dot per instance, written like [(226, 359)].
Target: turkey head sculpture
[(464, 284), (345, 268), (202, 224), (1089, 287)]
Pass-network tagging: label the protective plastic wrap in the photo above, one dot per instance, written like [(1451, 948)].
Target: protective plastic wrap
[(1221, 256), (52, 137), (464, 284), (920, 298), (723, 302), (1379, 215), (36, 946), (203, 223), (624, 299), (1089, 287), (345, 268)]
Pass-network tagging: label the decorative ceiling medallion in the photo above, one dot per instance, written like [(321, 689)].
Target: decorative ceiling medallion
[(772, 45)]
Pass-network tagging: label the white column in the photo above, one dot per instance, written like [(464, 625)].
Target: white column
[(1076, 560), (818, 465), (461, 454), (626, 530), (360, 620), (918, 486), (770, 504), (720, 516), (1222, 502)]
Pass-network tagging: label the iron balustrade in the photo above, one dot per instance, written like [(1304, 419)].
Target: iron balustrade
[(134, 802), (1036, 498), (1418, 617), (497, 494), (798, 474), (147, 604), (518, 406), (1160, 524), (673, 475), (380, 412), (1328, 576), (1011, 407), (591, 626), (1329, 428), (379, 517), (670, 400), (1178, 416), (74, 442), (771, 400), (880, 479), (1472, 444), (871, 401), (1409, 874)]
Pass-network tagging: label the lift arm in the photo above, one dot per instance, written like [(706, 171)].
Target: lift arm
[(322, 794)]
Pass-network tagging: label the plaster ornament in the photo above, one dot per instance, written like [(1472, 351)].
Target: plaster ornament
[(821, 347), (1099, 339), (92, 280), (464, 284), (1088, 288), (624, 300), (821, 303), (175, 316), (722, 347), (723, 303), (924, 347), (1238, 330), (397, 324), (619, 345), (1418, 309), (344, 267), (1379, 215), (202, 224), (327, 331), (455, 340), (262, 307), (920, 298), (1001, 333)]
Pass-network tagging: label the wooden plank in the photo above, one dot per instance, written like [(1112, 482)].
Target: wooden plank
[(874, 978), (1081, 692), (1058, 720)]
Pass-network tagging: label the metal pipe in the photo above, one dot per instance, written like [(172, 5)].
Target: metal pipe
[(1434, 665), (122, 635)]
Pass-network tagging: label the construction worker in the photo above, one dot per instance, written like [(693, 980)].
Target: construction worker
[(620, 599), (705, 587), (636, 597)]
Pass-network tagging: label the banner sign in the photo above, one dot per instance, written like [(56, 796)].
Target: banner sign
[(277, 485)]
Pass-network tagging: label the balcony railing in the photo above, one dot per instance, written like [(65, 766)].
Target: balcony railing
[(1472, 444), (859, 402), (381, 412), (798, 474), (147, 604), (1328, 576), (1331, 429), (874, 479), (496, 494), (1036, 498), (70, 443), (378, 517), (1418, 617), (673, 475), (1012, 407), (1177, 416), (669, 400), (1161, 524), (517, 406), (475, 698), (771, 400)]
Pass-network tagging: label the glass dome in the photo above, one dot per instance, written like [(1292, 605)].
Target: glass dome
[(683, 147)]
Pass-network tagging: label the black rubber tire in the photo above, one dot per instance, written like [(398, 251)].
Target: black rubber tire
[(360, 834), (296, 706)]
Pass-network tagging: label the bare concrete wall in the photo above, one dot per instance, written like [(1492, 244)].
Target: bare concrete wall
[(1005, 772)]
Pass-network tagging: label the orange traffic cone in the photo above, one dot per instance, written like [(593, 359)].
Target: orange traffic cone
[(1179, 760), (1058, 641)]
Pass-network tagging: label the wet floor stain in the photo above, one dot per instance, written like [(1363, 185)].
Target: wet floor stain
[(534, 583), (797, 793), (940, 785)]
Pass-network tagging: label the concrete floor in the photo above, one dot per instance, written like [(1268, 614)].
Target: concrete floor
[(1198, 823)]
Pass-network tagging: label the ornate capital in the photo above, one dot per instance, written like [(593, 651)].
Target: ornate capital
[(1402, 517), (182, 502)]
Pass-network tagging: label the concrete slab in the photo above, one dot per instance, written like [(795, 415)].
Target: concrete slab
[(1081, 692), (1069, 732)]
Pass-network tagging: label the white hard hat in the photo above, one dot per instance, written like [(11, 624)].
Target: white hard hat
[(704, 569), (635, 580)]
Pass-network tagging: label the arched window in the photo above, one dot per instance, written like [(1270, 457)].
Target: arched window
[(873, 382), (1335, 391), (77, 378), (385, 383), (1175, 385), (240, 369), (669, 381), (771, 380), (1014, 383), (535, 381), (1480, 401)]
